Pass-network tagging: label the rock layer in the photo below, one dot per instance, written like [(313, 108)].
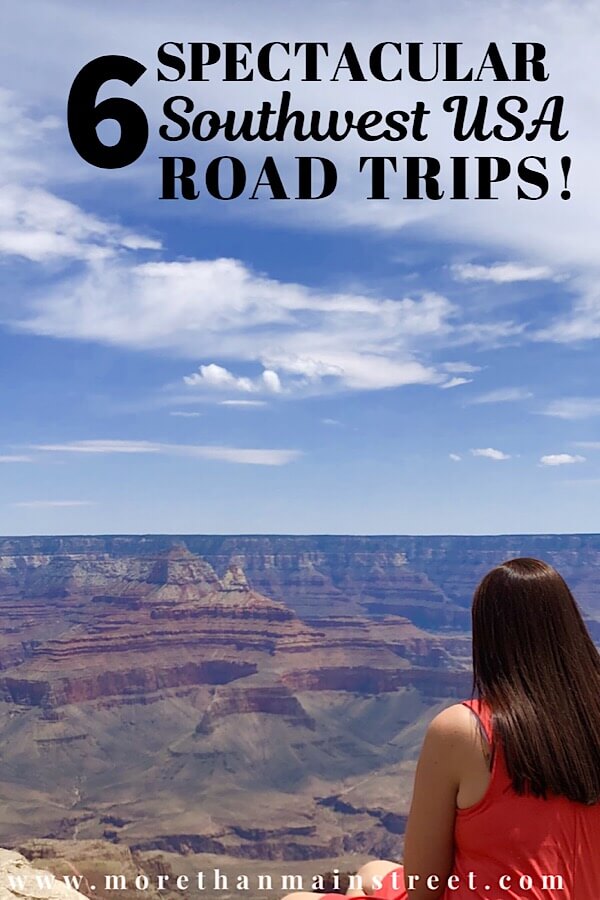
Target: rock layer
[(432, 577), (253, 697), (138, 627)]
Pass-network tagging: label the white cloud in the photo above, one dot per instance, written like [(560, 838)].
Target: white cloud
[(502, 395), (334, 423), (253, 318), (460, 368), (215, 376), (15, 458), (248, 456), (355, 369), (271, 381), (329, 340), (309, 367), (573, 408), (582, 321), (306, 339), (456, 382), (490, 334), (455, 457), (501, 273), (248, 403), (490, 453), (41, 227), (183, 414), (35, 224), (561, 459), (101, 446), (50, 504), (244, 456), (537, 236)]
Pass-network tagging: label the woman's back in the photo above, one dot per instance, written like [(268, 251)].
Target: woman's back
[(519, 845), (526, 827)]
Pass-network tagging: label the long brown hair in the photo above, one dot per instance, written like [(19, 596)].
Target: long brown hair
[(536, 666)]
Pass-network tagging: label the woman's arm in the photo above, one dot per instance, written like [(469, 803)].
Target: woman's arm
[(429, 841)]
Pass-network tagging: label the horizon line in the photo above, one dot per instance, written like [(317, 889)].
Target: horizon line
[(306, 534)]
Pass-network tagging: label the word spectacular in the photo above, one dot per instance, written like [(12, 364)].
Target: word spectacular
[(389, 61)]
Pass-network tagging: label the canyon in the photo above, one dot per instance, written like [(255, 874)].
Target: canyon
[(235, 697)]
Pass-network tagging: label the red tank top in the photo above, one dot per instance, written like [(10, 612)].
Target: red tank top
[(525, 837), (553, 845)]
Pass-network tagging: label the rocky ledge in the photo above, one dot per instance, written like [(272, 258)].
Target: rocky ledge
[(19, 880)]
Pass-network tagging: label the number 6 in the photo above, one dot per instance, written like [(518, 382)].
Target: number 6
[(84, 115)]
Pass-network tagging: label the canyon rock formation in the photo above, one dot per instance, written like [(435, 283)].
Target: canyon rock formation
[(248, 697), (19, 880)]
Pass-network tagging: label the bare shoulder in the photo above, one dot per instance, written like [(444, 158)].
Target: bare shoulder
[(447, 748), (454, 735), (456, 724)]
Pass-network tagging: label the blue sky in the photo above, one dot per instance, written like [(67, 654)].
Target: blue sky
[(340, 366)]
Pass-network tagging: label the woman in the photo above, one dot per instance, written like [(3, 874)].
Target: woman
[(506, 801)]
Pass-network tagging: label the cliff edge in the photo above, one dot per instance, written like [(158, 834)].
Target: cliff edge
[(19, 880)]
